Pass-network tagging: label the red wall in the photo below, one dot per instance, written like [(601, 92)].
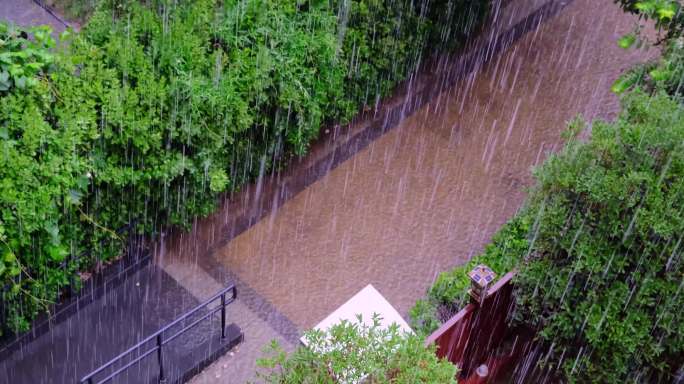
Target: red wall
[(478, 333)]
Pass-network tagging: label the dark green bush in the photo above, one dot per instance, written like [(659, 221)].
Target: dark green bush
[(603, 284), (192, 105)]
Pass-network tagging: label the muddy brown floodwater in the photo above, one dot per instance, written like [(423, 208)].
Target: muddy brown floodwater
[(429, 194)]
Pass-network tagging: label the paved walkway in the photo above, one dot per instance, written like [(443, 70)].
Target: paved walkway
[(259, 321)]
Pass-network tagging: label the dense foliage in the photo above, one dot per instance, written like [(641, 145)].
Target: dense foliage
[(355, 352), (156, 108), (604, 279), (42, 174)]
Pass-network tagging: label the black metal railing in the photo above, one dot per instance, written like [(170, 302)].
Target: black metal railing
[(161, 340)]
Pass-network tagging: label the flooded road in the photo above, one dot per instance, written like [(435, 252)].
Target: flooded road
[(429, 194)]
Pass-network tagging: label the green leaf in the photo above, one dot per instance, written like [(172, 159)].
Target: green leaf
[(53, 230), (20, 82), (667, 11), (218, 180), (9, 257), (74, 196), (626, 41), (35, 66), (622, 84), (57, 253), (646, 6), (659, 74), (65, 35), (83, 181)]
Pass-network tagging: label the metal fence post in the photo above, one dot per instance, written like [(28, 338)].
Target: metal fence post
[(223, 316), (162, 379)]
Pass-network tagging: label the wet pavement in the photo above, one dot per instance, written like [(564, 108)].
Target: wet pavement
[(100, 331), (427, 194)]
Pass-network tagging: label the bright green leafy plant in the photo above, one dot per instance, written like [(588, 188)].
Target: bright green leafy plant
[(43, 175), (23, 59), (356, 352)]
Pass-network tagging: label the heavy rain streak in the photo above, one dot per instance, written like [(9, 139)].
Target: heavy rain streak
[(341, 191)]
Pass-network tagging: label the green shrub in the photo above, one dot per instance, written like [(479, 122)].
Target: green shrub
[(43, 175), (603, 284), (349, 352), (192, 105), (384, 41)]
